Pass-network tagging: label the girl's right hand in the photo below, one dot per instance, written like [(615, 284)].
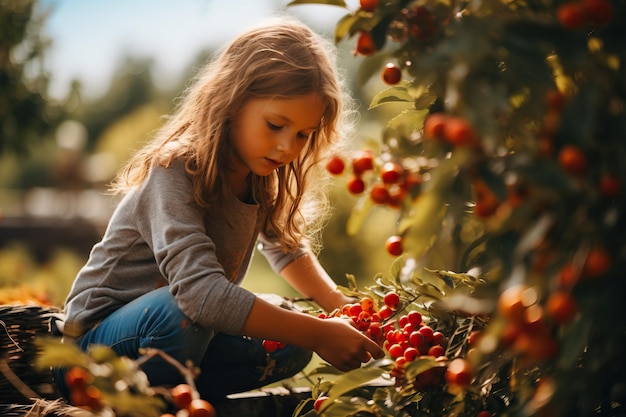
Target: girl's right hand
[(343, 346)]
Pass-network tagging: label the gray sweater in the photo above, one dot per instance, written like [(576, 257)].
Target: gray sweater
[(158, 236)]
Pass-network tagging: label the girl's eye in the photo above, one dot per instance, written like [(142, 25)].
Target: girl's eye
[(272, 126), (305, 136)]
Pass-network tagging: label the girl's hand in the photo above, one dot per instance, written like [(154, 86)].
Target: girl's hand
[(343, 346)]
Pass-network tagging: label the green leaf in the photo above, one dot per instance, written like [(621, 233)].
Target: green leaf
[(351, 380), (55, 353), (358, 215), (407, 121), (421, 365), (126, 403), (391, 95)]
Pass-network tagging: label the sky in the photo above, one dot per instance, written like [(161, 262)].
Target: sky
[(89, 38)]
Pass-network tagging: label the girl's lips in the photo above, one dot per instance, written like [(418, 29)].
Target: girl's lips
[(274, 163)]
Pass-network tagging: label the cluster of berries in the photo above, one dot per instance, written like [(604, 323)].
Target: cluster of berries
[(82, 393), (189, 403)]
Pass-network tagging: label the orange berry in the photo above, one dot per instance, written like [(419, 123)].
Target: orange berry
[(201, 408), (335, 165), (598, 263), (573, 160), (459, 372), (561, 307), (182, 395)]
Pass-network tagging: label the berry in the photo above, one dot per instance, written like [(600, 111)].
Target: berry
[(414, 317), (391, 172), (459, 132), (571, 15), (392, 300), (434, 126), (610, 185), (201, 408), (392, 74), (362, 162), (385, 312), (317, 405), (182, 395), (598, 263), (436, 351), (459, 372), (365, 44), (599, 12), (270, 345), (368, 5), (394, 246), (77, 377), (356, 185), (335, 165), (561, 307), (379, 193), (573, 160)]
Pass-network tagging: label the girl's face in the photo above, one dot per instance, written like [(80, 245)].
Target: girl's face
[(270, 133)]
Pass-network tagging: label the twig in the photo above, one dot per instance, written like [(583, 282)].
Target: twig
[(15, 380), (17, 345), (187, 373)]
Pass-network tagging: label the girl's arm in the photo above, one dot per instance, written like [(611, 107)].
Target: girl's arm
[(334, 340), (308, 277)]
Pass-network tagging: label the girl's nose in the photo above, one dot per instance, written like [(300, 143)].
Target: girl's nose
[(287, 144)]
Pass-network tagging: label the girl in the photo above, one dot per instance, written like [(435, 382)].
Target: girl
[(237, 165)]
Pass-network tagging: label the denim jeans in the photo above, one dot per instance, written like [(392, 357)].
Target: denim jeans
[(228, 364)]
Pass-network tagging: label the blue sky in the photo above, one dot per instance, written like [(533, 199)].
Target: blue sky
[(91, 37)]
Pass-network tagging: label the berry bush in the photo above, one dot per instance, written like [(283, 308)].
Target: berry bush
[(506, 171)]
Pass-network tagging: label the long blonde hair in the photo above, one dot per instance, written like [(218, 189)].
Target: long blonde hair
[(282, 58)]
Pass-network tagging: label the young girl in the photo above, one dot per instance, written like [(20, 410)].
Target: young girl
[(238, 165)]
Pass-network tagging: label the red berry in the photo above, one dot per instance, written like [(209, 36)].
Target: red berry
[(385, 312), (610, 185), (434, 125), (436, 351), (414, 317), (365, 44), (362, 162), (458, 131), (356, 185), (396, 350), (598, 263), (379, 193), (392, 300), (391, 172), (368, 5), (599, 12), (392, 74), (394, 245), (427, 332), (269, 345), (319, 401), (411, 354), (571, 15), (335, 165)]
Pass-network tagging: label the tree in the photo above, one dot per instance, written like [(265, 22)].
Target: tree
[(26, 114), (510, 207)]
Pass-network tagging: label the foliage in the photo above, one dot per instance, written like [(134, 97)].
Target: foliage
[(26, 114), (514, 126)]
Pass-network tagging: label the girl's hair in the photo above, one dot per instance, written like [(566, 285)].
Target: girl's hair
[(280, 59)]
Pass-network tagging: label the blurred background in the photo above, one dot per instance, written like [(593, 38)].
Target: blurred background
[(83, 84)]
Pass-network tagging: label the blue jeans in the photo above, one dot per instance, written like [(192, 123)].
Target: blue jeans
[(228, 364)]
